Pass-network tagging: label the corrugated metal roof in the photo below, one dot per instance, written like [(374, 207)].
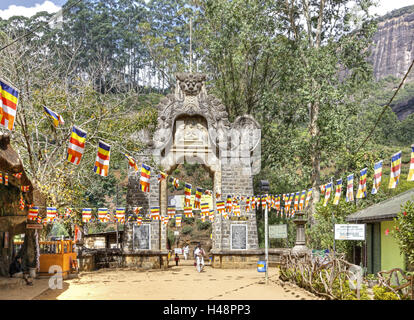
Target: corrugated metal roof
[(385, 210)]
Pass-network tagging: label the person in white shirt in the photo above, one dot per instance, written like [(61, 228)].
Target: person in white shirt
[(186, 251)]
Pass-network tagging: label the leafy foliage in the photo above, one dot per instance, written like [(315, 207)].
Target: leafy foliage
[(404, 230)]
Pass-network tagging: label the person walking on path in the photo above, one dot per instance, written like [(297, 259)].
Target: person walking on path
[(177, 258), (186, 251)]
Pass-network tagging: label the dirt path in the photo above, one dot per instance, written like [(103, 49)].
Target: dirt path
[(180, 283)]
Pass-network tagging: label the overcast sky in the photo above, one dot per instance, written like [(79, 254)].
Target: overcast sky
[(9, 8)]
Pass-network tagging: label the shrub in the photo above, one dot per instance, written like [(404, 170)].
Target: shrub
[(203, 225), (403, 233), (187, 230), (381, 293)]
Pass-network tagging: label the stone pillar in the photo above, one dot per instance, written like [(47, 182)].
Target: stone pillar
[(163, 211), (217, 224), (300, 244)]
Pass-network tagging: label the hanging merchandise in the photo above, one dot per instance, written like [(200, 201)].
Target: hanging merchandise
[(144, 181), (338, 191), (362, 187), (8, 105), (56, 118), (377, 177), (76, 145)]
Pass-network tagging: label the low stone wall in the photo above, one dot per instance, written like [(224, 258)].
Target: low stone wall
[(147, 259), (244, 259), (86, 262)]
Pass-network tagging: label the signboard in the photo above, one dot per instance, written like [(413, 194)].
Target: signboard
[(141, 237), (176, 233), (178, 250), (349, 231), (261, 266), (34, 226), (278, 231)]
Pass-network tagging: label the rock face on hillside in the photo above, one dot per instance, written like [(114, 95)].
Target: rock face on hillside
[(393, 49)]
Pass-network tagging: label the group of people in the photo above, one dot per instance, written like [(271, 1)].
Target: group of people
[(198, 252)]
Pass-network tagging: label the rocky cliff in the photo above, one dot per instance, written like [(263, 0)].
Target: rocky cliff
[(393, 48)]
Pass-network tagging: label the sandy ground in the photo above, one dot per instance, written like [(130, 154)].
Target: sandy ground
[(176, 283), (25, 292)]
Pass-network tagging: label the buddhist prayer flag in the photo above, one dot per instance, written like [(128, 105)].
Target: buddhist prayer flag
[(253, 203), (218, 195), (362, 187), (1, 178), (350, 188), (68, 212), (162, 176), (237, 211), (264, 202), (21, 203), (86, 214), (8, 105), (103, 214), (17, 175), (76, 145), (102, 159), (144, 181), (308, 197), (302, 200), (225, 215), (139, 220), (33, 212), (176, 183), (395, 170), (56, 118), (296, 204), (131, 161), (247, 208), (25, 188), (137, 210), (211, 215), (410, 176), (155, 213), (178, 220), (171, 211), (6, 179), (207, 192), (187, 193), (205, 208), (327, 193), (228, 204), (220, 206), (120, 215), (197, 198), (164, 220), (50, 214), (277, 203), (188, 212), (322, 188), (377, 177), (338, 191)]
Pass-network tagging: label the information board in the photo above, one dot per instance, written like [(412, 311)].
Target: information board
[(238, 236), (349, 231), (278, 231), (141, 237)]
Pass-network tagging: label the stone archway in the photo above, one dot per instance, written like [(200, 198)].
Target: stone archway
[(194, 126)]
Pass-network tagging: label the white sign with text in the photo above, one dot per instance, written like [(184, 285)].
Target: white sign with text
[(349, 231)]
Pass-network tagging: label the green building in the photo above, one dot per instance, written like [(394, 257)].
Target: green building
[(381, 251)]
